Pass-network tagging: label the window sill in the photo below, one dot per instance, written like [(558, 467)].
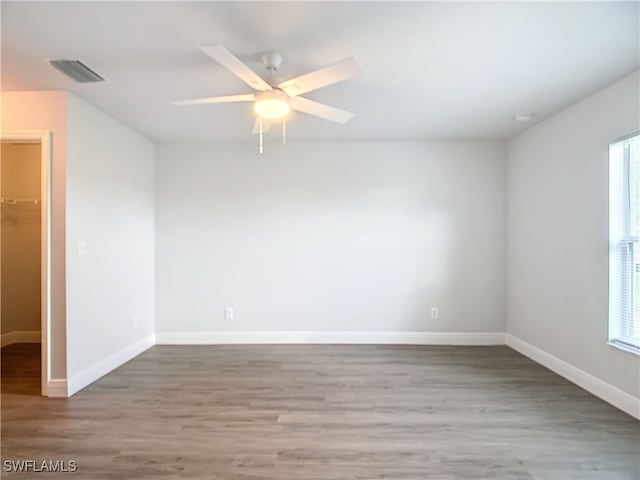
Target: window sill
[(625, 348)]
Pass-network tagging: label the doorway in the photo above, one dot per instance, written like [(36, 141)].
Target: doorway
[(24, 262)]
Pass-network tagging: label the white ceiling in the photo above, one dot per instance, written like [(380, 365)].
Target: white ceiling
[(431, 70)]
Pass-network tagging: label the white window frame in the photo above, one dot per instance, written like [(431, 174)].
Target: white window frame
[(622, 291)]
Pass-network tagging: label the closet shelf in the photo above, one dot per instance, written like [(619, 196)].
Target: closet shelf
[(19, 201)]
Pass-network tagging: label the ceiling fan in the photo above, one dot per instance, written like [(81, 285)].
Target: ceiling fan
[(274, 99)]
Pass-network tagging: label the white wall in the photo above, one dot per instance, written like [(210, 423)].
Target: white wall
[(557, 233), (110, 210), (47, 111), (331, 237)]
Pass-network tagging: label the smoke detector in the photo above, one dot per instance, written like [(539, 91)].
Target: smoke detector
[(523, 117)]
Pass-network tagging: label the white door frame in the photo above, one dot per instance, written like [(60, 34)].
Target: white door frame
[(44, 138)]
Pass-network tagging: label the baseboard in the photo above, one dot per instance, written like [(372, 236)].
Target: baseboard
[(335, 337), (92, 373), (57, 388), (20, 336), (610, 394)]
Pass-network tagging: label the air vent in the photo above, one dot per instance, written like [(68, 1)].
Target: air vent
[(76, 70)]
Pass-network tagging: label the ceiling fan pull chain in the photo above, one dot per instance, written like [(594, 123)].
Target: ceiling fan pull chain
[(284, 130), (261, 145)]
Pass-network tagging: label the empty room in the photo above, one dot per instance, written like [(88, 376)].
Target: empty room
[(320, 240)]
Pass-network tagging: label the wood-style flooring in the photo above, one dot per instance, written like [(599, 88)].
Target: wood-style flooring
[(318, 412)]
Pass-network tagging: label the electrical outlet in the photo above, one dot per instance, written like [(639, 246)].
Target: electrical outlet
[(82, 249), (135, 321), (228, 313), (435, 312)]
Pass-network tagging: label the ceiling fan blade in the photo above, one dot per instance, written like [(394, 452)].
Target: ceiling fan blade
[(236, 66), (266, 126), (327, 112), (245, 97), (321, 78)]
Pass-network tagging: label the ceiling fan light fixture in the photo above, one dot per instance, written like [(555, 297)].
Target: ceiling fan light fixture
[(273, 104)]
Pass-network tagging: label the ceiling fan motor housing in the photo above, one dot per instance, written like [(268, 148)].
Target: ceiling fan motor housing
[(272, 60)]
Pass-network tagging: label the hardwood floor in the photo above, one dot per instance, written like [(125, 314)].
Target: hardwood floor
[(321, 412)]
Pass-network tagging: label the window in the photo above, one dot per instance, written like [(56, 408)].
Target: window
[(624, 248)]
